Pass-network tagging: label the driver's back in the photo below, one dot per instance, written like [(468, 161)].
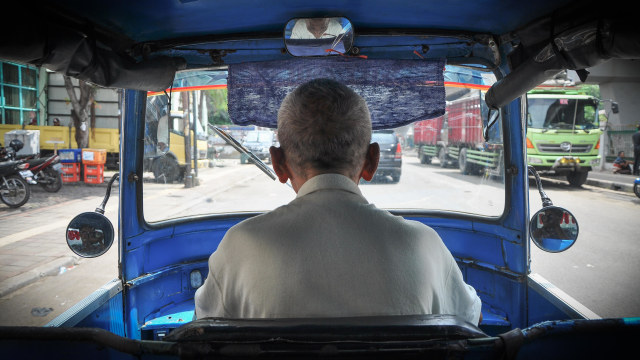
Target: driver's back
[(329, 253)]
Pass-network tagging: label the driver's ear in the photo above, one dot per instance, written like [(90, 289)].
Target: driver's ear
[(370, 162), (279, 164)]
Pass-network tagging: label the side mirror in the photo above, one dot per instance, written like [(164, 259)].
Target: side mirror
[(614, 107), (90, 234), (553, 229), (318, 36)]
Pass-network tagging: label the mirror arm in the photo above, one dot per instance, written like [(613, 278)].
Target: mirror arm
[(100, 209), (546, 201)]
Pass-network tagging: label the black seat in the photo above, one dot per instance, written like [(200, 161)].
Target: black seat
[(357, 329)]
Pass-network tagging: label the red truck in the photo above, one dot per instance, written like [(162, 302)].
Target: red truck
[(456, 138), (427, 134)]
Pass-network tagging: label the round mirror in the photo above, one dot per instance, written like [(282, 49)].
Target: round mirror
[(90, 234), (553, 229)]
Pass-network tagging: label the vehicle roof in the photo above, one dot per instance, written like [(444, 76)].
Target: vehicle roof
[(104, 42), (153, 20), (188, 28)]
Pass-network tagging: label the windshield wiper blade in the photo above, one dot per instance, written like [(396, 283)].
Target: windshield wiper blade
[(243, 150)]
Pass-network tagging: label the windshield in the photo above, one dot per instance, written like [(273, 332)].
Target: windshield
[(441, 164), (566, 113)]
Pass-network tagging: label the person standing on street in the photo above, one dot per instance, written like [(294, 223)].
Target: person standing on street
[(636, 151)]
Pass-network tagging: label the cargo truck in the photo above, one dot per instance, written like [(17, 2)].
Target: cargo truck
[(456, 137), (168, 161)]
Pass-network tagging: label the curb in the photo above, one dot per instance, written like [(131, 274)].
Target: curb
[(611, 185), (48, 269)]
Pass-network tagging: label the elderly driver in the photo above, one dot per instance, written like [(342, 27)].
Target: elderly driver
[(329, 252)]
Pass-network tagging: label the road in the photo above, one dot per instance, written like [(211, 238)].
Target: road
[(600, 270)]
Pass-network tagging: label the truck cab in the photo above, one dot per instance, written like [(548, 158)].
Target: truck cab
[(563, 134)]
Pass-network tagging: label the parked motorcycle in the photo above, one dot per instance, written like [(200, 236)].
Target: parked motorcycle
[(14, 189), (636, 187), (44, 171)]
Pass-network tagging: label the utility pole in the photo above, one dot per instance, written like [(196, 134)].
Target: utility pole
[(188, 179), (194, 108)]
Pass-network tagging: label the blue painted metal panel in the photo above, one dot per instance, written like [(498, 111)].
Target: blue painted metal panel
[(163, 293), (171, 19), (101, 309), (108, 317), (130, 225)]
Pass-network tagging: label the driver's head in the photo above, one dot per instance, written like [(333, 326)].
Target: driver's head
[(317, 26), (552, 217), (324, 127)]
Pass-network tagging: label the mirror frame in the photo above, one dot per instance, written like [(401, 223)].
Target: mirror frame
[(98, 222), (539, 243)]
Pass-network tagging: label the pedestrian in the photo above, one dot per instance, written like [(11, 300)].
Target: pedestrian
[(636, 151), (56, 122), (33, 118), (621, 165)]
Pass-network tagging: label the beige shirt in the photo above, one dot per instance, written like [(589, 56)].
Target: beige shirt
[(329, 253)]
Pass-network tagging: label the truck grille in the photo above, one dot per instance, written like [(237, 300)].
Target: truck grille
[(555, 148)]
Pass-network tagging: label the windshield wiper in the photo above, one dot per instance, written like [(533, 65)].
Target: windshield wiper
[(243, 150)]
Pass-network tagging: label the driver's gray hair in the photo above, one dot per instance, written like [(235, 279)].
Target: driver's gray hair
[(324, 126)]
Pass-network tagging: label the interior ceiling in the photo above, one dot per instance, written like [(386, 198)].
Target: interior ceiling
[(172, 19)]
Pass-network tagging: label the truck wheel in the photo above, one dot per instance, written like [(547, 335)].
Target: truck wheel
[(464, 166), (442, 156), (424, 159), (577, 178), (166, 169)]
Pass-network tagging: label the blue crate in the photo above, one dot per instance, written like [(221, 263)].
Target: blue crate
[(70, 155)]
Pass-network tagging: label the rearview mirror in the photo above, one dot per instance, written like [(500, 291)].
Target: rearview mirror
[(318, 36), (553, 229)]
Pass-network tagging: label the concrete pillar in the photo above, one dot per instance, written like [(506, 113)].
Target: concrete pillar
[(619, 80)]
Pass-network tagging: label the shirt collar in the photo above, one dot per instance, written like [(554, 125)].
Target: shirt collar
[(328, 182)]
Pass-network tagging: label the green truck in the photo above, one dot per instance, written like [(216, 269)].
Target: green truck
[(563, 134)]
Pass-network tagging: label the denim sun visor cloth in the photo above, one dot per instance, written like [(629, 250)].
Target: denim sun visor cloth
[(398, 92)]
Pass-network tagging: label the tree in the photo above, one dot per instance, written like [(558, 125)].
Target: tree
[(82, 109), (218, 111)]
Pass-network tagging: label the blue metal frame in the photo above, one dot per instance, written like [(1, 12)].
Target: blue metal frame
[(155, 260)]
